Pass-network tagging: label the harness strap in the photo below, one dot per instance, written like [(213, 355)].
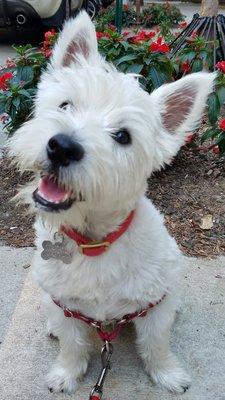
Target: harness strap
[(103, 333)]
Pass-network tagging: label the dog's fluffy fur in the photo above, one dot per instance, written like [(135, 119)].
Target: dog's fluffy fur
[(145, 262)]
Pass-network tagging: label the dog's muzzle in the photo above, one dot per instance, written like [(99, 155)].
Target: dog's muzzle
[(51, 195)]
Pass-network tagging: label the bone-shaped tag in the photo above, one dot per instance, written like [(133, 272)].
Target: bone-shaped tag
[(57, 251)]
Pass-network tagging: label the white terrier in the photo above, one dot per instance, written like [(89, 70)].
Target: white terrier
[(95, 138)]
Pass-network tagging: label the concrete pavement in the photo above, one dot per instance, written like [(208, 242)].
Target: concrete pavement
[(198, 338), (12, 277)]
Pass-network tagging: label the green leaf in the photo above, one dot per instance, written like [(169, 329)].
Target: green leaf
[(197, 65), (128, 57), (135, 68), (189, 56), (209, 134), (25, 73), (221, 145), (213, 108), (221, 95), (148, 60), (125, 45), (203, 55), (25, 93), (156, 77), (2, 108), (16, 101)]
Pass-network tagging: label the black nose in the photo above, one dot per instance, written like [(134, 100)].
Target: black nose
[(62, 150)]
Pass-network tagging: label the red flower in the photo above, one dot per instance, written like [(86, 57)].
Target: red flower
[(215, 150), (189, 138), (150, 34), (125, 7), (194, 34), (142, 36), (185, 67), (45, 44), (221, 66), (99, 35), (112, 27), (3, 80), (10, 63), (222, 124), (125, 33), (50, 34), (107, 35), (159, 46), (48, 53), (182, 24)]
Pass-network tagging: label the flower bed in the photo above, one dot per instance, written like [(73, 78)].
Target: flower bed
[(145, 53), (150, 15)]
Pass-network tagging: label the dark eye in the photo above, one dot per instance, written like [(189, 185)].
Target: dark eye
[(65, 104), (122, 137)]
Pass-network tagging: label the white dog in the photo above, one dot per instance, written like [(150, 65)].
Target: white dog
[(95, 138)]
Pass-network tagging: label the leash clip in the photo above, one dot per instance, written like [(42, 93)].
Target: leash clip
[(106, 354)]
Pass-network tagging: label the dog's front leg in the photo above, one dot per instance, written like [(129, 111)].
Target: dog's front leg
[(72, 360), (153, 333)]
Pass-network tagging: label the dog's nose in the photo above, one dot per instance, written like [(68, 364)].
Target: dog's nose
[(62, 150)]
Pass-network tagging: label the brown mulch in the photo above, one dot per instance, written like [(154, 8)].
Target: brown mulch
[(15, 223), (191, 188)]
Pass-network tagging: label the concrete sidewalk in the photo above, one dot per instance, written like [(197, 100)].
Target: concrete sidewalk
[(13, 271), (198, 338)]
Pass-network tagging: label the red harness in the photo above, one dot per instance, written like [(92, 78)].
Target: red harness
[(94, 248), (107, 330)]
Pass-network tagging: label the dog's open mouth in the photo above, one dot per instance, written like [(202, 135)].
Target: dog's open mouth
[(50, 196)]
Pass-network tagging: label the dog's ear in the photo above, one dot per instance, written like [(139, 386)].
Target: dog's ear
[(77, 43), (179, 106)]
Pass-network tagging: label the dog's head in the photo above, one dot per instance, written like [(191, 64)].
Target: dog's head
[(96, 135)]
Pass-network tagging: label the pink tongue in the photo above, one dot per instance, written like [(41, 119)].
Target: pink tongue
[(50, 191)]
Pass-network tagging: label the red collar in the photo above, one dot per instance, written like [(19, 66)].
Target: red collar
[(91, 248)]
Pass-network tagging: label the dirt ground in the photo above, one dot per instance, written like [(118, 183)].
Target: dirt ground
[(189, 193)]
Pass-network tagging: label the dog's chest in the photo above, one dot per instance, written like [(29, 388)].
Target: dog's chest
[(95, 290)]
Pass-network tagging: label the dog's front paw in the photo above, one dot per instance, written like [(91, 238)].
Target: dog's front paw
[(61, 380), (171, 375)]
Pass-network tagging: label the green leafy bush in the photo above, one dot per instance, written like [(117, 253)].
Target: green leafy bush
[(165, 14), (18, 81), (216, 102), (156, 14), (145, 53), (18, 85), (196, 56), (106, 17)]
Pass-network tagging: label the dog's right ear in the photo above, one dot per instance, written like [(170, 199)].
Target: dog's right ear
[(77, 43)]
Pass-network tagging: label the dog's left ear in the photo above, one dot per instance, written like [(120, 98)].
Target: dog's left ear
[(77, 43), (179, 107)]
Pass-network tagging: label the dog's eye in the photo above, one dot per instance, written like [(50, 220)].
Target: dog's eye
[(122, 137), (65, 104)]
